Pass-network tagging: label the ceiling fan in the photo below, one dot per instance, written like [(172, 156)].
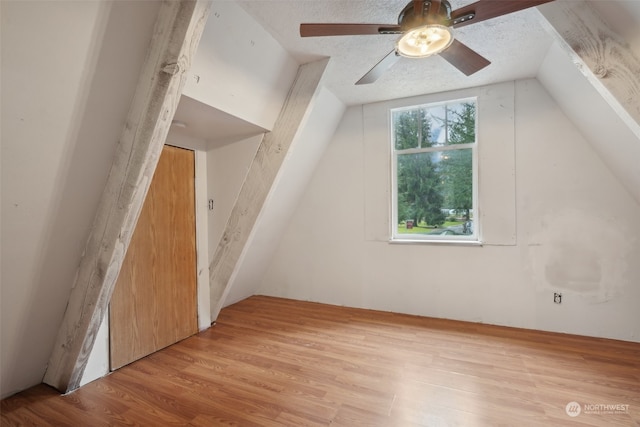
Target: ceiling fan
[(424, 26)]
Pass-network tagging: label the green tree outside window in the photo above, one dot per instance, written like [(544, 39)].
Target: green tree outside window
[(433, 151)]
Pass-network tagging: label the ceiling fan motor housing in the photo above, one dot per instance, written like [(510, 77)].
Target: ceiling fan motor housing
[(408, 18)]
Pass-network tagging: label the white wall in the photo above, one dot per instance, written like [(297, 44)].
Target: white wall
[(240, 68), (227, 167), (305, 151), (98, 364), (576, 233), (61, 119)]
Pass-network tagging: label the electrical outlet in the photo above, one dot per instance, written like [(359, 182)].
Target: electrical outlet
[(557, 298)]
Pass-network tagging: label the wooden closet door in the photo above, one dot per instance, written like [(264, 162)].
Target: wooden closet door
[(154, 303)]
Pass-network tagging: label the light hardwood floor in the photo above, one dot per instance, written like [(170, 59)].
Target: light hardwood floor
[(272, 362)]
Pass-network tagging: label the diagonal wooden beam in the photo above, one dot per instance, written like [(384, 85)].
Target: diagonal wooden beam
[(260, 179), (176, 36), (601, 54)]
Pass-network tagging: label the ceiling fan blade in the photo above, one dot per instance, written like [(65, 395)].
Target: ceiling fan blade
[(321, 30), (464, 58), (487, 9), (379, 69)]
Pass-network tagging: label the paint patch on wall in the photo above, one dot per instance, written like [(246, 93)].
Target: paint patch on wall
[(573, 267), (578, 251)]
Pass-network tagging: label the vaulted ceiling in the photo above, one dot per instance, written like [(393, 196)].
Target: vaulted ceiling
[(515, 44)]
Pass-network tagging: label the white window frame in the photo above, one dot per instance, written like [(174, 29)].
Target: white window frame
[(473, 238)]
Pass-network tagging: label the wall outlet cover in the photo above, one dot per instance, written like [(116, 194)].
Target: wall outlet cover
[(557, 298)]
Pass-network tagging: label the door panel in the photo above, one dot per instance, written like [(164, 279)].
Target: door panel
[(154, 303)]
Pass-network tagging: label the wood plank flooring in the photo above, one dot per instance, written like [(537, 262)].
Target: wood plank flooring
[(277, 362)]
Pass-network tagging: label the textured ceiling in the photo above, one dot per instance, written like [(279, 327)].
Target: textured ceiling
[(515, 44)]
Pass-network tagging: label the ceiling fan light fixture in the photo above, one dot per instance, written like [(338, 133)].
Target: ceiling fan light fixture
[(424, 41)]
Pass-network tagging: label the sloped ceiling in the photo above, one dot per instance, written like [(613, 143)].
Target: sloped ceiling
[(196, 120), (624, 16), (593, 73), (515, 44), (608, 134)]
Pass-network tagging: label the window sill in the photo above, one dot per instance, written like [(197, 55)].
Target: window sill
[(436, 242)]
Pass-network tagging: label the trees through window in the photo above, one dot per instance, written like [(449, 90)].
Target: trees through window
[(434, 173)]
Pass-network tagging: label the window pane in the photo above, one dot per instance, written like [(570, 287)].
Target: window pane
[(410, 129), (435, 193), (438, 125), (457, 178), (433, 126), (420, 196), (461, 123)]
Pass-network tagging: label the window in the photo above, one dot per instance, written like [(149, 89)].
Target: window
[(434, 172)]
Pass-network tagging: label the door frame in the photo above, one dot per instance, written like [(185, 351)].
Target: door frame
[(202, 240), (98, 364)]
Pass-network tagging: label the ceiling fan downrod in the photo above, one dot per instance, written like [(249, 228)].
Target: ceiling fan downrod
[(429, 12), (423, 12)]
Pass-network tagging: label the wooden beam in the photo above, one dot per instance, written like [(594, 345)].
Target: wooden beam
[(260, 178), (175, 38), (601, 54)]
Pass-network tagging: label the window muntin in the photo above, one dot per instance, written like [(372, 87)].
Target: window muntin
[(434, 172)]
